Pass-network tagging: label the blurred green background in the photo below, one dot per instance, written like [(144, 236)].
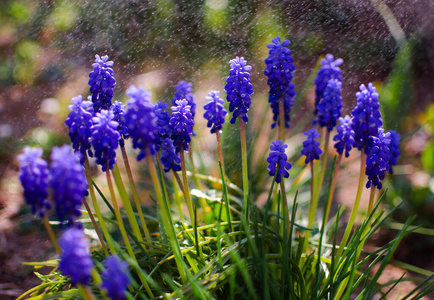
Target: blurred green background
[(47, 48)]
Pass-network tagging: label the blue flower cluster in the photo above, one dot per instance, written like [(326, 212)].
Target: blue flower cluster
[(102, 82), (345, 136), (169, 158), (366, 116), (163, 129), (105, 137), (279, 70), (181, 124), (34, 178), (329, 70), (68, 183), (394, 149), (140, 121), (115, 279), (184, 90), (118, 110), (215, 112), (75, 260), (311, 147), (238, 89), (79, 123), (377, 163), (277, 160), (329, 107)]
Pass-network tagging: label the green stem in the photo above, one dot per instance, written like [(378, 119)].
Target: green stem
[(332, 187), (96, 207), (175, 177), (98, 232), (220, 152), (85, 292), (371, 200), (323, 166), (122, 229), (282, 120), (285, 202), (166, 219), (355, 207), (135, 196), (126, 202), (244, 164), (51, 234), (186, 188), (312, 205)]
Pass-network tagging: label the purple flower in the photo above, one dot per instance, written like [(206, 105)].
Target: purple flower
[(118, 110), (215, 112), (329, 70), (105, 137), (163, 129), (345, 136), (184, 90), (329, 107), (279, 70), (277, 160), (311, 147), (366, 116), (102, 82), (68, 183), (115, 279), (377, 163), (75, 260), (394, 149), (238, 89), (79, 123), (141, 121), (34, 177), (169, 158), (181, 123)]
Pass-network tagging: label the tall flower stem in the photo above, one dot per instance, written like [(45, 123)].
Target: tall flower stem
[(95, 205), (98, 232), (323, 166), (220, 152), (186, 188), (332, 187), (282, 120), (166, 218), (244, 164), (178, 200), (85, 292), (355, 207), (202, 202), (126, 202), (133, 189), (51, 234), (311, 207), (285, 202), (123, 231), (371, 200)]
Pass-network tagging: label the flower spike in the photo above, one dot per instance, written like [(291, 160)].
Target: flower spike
[(310, 146), (345, 136), (377, 163), (215, 112), (102, 82), (181, 123), (277, 160)]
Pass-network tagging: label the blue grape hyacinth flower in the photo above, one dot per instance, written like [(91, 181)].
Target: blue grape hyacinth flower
[(215, 112), (345, 136), (239, 89), (366, 116), (105, 139), (118, 110), (34, 178), (329, 70), (181, 123), (279, 70), (141, 121), (79, 123), (75, 260), (184, 90), (277, 161), (68, 183), (377, 163), (329, 107), (102, 82), (115, 279), (394, 149), (169, 158), (163, 129), (310, 146)]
